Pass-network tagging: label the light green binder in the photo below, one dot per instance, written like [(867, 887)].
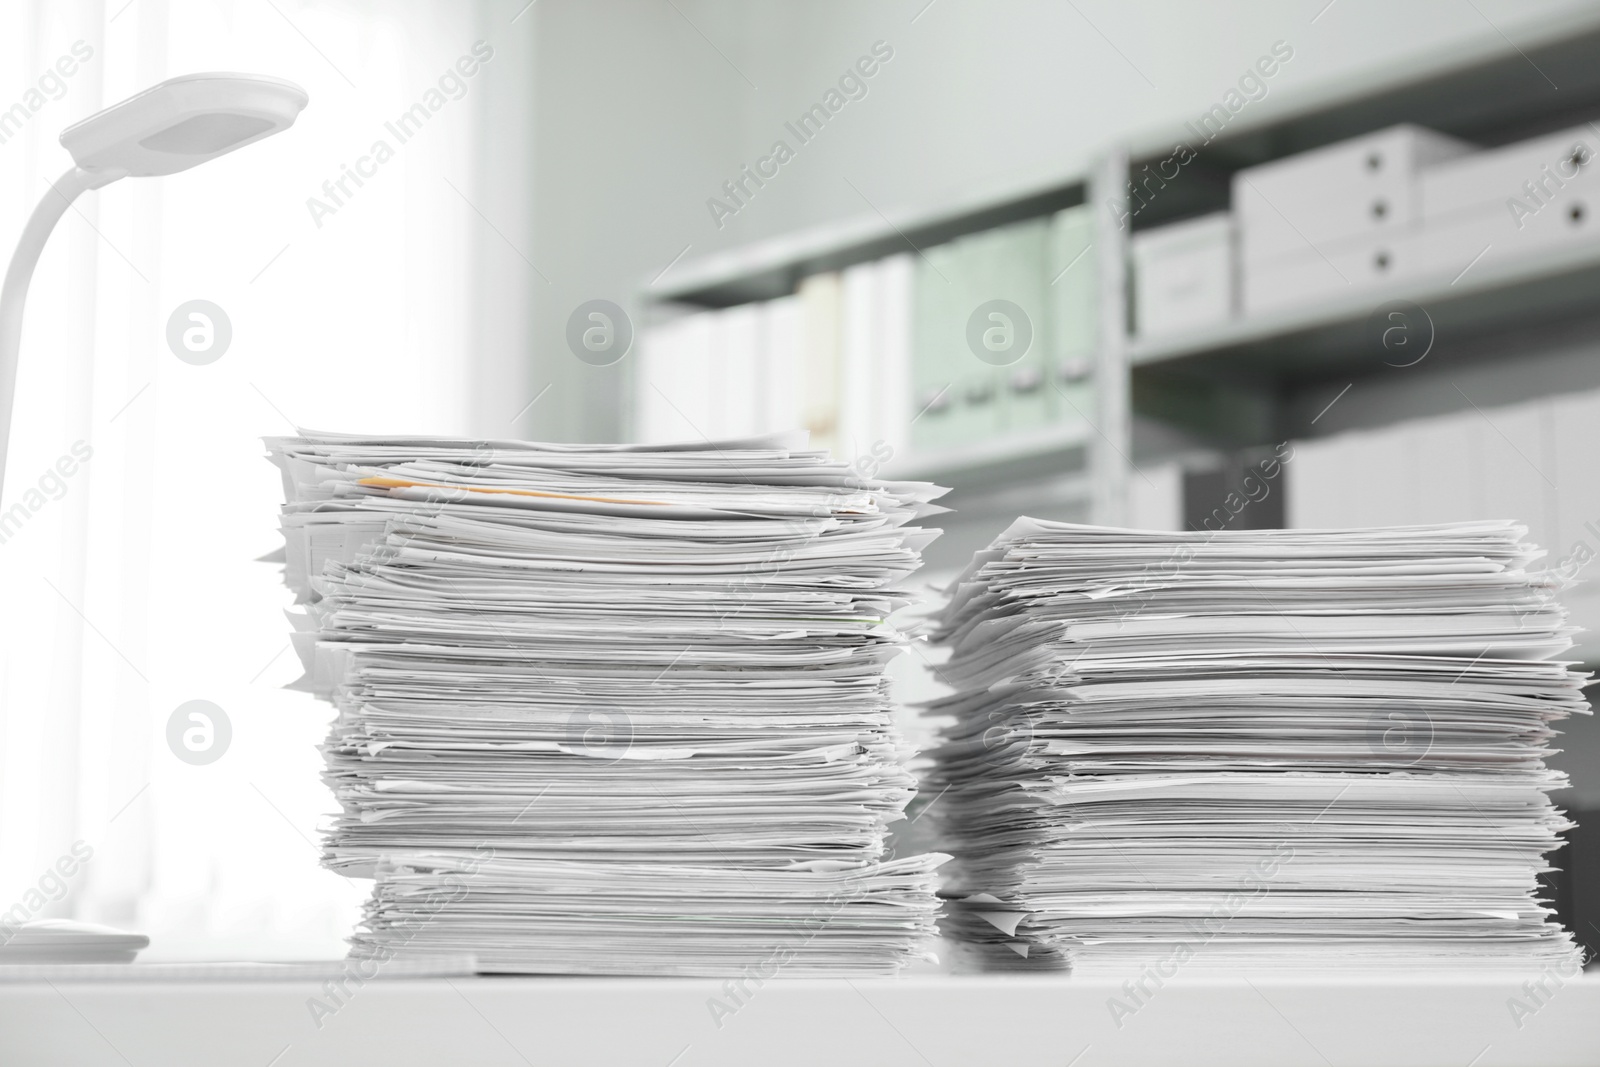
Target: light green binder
[(1021, 255), (978, 384), (1073, 294), (935, 399), (1047, 268)]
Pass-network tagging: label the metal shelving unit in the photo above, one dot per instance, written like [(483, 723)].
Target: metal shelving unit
[(1265, 378), (1258, 374), (1552, 283), (1252, 380)]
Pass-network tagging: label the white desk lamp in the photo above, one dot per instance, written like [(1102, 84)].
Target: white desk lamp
[(167, 128)]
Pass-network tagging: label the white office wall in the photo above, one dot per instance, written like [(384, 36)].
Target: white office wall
[(644, 109)]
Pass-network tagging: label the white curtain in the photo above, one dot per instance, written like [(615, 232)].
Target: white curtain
[(132, 586)]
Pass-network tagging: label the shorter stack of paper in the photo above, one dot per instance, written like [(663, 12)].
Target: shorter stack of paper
[(1258, 749), (611, 709)]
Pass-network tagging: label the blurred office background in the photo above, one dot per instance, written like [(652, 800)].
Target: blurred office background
[(1182, 343)]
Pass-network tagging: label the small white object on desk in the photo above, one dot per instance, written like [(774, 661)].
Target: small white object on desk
[(66, 941)]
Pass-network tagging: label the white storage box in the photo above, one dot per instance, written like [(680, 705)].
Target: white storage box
[(1567, 219), (1443, 252), (1494, 177), (1313, 276), (1366, 265), (1492, 234), (1343, 193), (1183, 275)]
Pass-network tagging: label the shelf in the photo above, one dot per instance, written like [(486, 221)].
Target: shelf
[(773, 268), (1489, 92), (999, 460), (920, 1021), (1330, 338)]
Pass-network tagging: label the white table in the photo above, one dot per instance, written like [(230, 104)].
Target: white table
[(931, 1021)]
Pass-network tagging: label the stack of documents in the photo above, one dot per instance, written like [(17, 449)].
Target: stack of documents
[(1259, 749), (611, 709)]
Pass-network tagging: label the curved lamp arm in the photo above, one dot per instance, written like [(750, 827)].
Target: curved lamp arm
[(14, 293), (168, 128)]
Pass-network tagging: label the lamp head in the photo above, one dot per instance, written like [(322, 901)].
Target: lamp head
[(181, 123)]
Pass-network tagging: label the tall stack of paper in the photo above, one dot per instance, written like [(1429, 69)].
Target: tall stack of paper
[(1254, 749), (611, 709)]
